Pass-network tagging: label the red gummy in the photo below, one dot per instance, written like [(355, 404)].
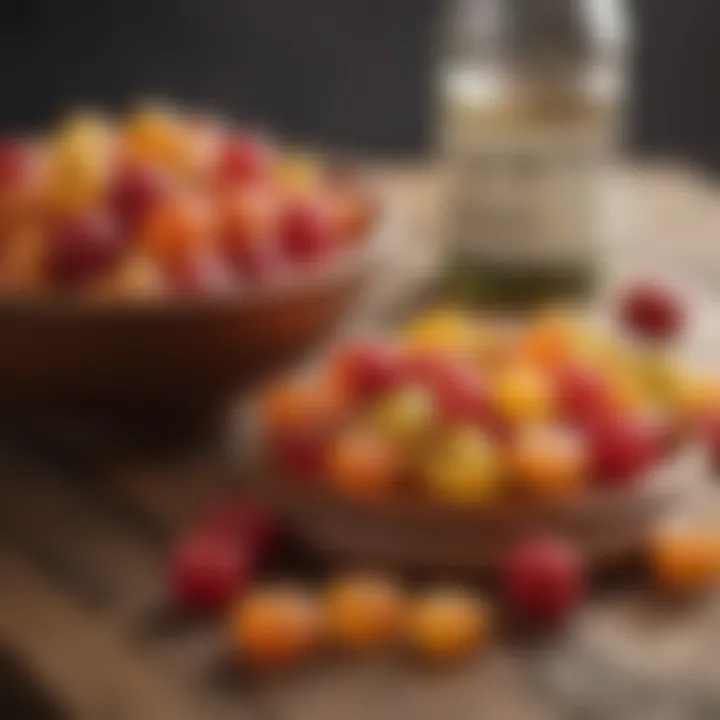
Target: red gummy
[(301, 451), (543, 580), (369, 369), (622, 448), (306, 233), (460, 394), (581, 391), (15, 162), (245, 521), (243, 160), (430, 368), (208, 570), (81, 247), (134, 191), (652, 310)]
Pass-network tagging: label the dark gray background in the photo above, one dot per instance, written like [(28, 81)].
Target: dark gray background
[(353, 73), (675, 101), (349, 72)]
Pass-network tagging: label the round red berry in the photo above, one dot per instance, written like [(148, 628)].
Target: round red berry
[(83, 246), (652, 310), (243, 159), (581, 391), (16, 160), (305, 231), (207, 570), (622, 448), (461, 395), (301, 451), (369, 369), (134, 191), (244, 520), (543, 579)]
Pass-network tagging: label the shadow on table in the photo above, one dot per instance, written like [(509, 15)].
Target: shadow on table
[(22, 696)]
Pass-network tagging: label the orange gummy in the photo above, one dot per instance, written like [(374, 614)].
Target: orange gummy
[(276, 626), (157, 135), (293, 405), (549, 461), (446, 625), (547, 343), (362, 464), (523, 394), (685, 560), (364, 610), (177, 227), (247, 215)]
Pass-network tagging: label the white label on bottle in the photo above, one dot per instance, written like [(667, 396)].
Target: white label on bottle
[(529, 201)]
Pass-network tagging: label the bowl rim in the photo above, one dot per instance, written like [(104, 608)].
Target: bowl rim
[(352, 261)]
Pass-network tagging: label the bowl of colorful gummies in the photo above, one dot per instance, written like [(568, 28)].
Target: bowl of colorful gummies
[(440, 445), (168, 254)]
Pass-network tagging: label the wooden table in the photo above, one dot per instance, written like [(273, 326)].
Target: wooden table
[(86, 631)]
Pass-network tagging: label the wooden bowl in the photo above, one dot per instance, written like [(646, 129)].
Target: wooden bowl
[(423, 535), (171, 352)]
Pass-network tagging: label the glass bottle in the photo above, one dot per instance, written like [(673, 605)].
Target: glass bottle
[(527, 116)]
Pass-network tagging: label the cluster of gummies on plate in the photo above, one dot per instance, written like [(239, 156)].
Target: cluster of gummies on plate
[(167, 203), (464, 410)]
